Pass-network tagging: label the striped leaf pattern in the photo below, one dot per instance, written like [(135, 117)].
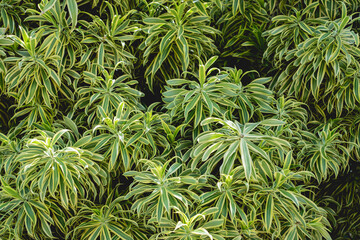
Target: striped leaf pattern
[(179, 119)]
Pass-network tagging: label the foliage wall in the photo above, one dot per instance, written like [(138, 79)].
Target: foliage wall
[(169, 119)]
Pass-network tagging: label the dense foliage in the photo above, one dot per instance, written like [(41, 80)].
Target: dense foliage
[(179, 119)]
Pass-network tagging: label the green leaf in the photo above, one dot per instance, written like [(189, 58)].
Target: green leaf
[(5, 42), (154, 20), (269, 212), (202, 74), (334, 55), (288, 160), (48, 6), (46, 228), (320, 74), (167, 40), (209, 137), (201, 7), (165, 199), (102, 113), (213, 223), (134, 138), (292, 234), (100, 59), (159, 210), (229, 158), (58, 135), (55, 77), (95, 234), (246, 159), (329, 52), (125, 156), (191, 105), (208, 102), (235, 6), (73, 10), (210, 62), (10, 191), (306, 28), (272, 122), (114, 154), (83, 141), (176, 82), (238, 5), (357, 89), (344, 22), (290, 196), (30, 212)]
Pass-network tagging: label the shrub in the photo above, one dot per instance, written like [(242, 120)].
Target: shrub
[(158, 119)]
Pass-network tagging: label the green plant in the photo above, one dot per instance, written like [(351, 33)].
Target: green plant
[(11, 14), (23, 209), (106, 92), (324, 152), (323, 62), (174, 39), (234, 141), (198, 99), (167, 189), (34, 74), (49, 167), (109, 40), (103, 223), (193, 227), (183, 120)]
